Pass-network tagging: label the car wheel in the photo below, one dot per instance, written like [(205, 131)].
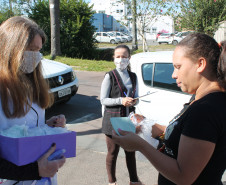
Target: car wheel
[(112, 42), (160, 43), (175, 42)]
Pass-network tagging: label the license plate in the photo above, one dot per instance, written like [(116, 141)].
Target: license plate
[(64, 92)]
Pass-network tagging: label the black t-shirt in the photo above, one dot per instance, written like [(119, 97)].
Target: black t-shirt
[(205, 119)]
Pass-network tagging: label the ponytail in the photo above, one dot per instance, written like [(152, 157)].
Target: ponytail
[(221, 68)]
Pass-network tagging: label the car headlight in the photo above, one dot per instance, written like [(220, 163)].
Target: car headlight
[(73, 75)]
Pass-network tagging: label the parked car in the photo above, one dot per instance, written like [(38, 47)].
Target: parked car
[(62, 80), (165, 38), (180, 36), (157, 35), (154, 73), (106, 37), (130, 38), (120, 35)]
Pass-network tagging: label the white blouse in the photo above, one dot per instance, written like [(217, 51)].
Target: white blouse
[(30, 119)]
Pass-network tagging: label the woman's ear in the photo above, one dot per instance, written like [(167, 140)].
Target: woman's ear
[(201, 64)]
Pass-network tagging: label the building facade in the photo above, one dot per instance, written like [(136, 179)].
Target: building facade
[(115, 15)]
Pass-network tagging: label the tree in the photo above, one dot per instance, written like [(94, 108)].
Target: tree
[(54, 7), (134, 25), (76, 29), (200, 15), (148, 12), (145, 15)]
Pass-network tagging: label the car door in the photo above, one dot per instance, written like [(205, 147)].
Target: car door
[(105, 37), (166, 99)]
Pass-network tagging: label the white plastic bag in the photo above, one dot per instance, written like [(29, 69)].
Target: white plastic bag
[(146, 127)]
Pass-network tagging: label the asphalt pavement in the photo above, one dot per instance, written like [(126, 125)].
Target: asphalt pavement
[(88, 167)]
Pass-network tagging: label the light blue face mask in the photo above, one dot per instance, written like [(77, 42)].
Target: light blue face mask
[(30, 61)]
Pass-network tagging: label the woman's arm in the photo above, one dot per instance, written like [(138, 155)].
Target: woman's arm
[(193, 155), (105, 91), (31, 171), (11, 171)]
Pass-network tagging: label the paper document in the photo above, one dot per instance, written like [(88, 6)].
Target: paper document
[(148, 93), (124, 123)]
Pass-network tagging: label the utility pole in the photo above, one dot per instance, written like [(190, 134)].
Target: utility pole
[(134, 25), (54, 7)]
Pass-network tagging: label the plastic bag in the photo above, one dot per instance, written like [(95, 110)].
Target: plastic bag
[(146, 127)]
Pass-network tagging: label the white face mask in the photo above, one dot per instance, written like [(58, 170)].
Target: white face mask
[(30, 61), (121, 63)]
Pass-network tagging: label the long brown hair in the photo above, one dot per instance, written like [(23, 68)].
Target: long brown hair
[(20, 89)]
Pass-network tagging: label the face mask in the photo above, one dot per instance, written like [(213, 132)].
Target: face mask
[(30, 61), (121, 63)]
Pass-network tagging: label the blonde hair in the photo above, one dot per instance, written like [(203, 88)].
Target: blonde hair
[(16, 34)]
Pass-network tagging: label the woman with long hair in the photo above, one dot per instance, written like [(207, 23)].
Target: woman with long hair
[(24, 94)]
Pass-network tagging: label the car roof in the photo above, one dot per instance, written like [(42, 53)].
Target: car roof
[(153, 57)]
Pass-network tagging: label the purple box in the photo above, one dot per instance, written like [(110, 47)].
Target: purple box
[(22, 151)]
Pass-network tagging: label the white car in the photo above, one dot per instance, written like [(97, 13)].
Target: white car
[(123, 37), (62, 80), (106, 37), (154, 73), (165, 38), (180, 36)]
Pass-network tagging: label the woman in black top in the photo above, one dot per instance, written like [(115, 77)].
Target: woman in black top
[(195, 142)]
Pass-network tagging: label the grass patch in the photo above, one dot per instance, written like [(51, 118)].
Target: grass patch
[(162, 47), (103, 65), (84, 64)]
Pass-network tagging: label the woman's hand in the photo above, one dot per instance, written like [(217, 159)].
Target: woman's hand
[(57, 121), (128, 140), (138, 129), (128, 101), (157, 129), (49, 168)]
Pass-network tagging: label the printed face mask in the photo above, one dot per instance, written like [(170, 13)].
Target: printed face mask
[(30, 61), (121, 63)]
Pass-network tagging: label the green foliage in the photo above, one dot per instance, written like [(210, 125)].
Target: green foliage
[(76, 30), (104, 54), (9, 8), (200, 15), (41, 15)]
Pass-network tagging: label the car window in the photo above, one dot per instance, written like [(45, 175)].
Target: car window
[(163, 77), (147, 71), (165, 34), (98, 34), (105, 34)]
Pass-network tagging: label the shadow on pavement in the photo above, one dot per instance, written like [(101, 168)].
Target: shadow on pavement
[(88, 132), (80, 108)]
